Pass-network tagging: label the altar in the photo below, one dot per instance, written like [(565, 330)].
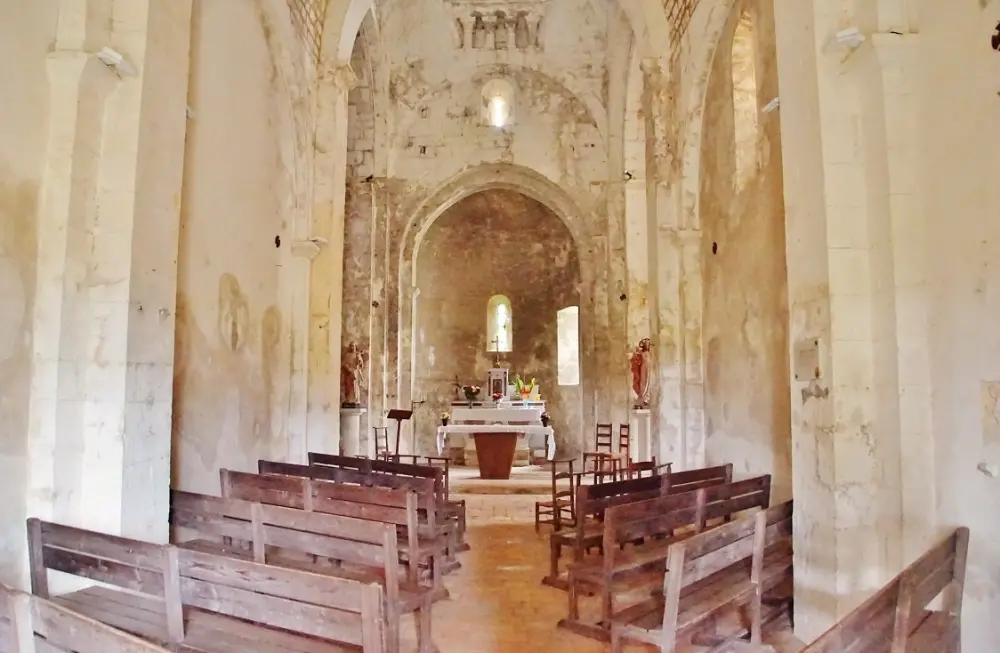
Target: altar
[(496, 428)]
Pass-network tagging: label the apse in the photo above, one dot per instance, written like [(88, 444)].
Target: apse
[(497, 278)]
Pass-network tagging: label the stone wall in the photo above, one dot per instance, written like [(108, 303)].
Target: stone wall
[(494, 242), (231, 362), (747, 415), (952, 261), (24, 44)]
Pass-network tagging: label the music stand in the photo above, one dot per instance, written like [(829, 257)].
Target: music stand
[(399, 415)]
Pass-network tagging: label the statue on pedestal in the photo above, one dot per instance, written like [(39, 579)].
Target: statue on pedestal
[(352, 368), (641, 363)]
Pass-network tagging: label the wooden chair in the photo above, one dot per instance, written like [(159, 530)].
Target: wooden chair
[(559, 511), (649, 467), (603, 462)]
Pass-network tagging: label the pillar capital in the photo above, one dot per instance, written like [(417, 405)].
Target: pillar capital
[(340, 74)]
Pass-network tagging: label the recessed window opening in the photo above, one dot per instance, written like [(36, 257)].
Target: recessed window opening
[(499, 325), (568, 345), (499, 113)]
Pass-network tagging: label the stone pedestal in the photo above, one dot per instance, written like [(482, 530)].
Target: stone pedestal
[(641, 442), (350, 431)]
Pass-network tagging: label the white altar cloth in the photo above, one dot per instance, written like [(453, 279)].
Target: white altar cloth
[(469, 429), (497, 415)]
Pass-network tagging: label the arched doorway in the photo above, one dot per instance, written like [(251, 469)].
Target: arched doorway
[(497, 265)]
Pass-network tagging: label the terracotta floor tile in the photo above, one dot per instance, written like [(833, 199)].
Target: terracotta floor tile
[(498, 605)]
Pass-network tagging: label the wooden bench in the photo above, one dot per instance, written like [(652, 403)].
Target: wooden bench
[(590, 503), (206, 603), (31, 624), (432, 522), (397, 507), (592, 500), (710, 577), (310, 541), (636, 536), (450, 511), (897, 619)]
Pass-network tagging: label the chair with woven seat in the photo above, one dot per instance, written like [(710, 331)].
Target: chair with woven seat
[(603, 462), (559, 511)]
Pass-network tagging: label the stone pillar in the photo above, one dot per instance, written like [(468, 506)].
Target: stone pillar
[(378, 336), (350, 431), (108, 235), (326, 278), (640, 430), (846, 454), (674, 282)]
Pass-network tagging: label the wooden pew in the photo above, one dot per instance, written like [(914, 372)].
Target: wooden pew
[(593, 500), (432, 522), (206, 603), (31, 624), (897, 618), (655, 524), (712, 575), (449, 511), (311, 541), (397, 507)]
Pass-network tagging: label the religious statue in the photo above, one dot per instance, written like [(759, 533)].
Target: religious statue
[(641, 362), (352, 368)]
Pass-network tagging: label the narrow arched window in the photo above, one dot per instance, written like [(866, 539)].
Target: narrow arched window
[(499, 325), (498, 103), (745, 116)]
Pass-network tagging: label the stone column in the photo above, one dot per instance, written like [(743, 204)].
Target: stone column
[(674, 282), (326, 279), (846, 454), (350, 431), (108, 235)]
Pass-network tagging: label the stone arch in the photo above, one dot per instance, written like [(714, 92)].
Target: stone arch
[(343, 20), (650, 26), (487, 176), (483, 177)]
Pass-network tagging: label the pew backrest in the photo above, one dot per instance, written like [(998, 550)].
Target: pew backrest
[(393, 468), (141, 567), (31, 624), (259, 526), (897, 612), (695, 479), (727, 499), (740, 544), (424, 488), (376, 504), (317, 605)]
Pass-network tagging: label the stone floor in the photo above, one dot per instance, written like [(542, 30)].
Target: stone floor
[(497, 603)]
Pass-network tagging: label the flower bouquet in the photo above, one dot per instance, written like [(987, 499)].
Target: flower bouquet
[(522, 388), (497, 396), (471, 392), (445, 418)]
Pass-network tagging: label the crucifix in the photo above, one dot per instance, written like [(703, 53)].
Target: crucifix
[(496, 349)]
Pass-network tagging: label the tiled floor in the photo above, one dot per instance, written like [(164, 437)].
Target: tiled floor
[(498, 605)]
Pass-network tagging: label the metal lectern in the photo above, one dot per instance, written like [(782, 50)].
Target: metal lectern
[(399, 415)]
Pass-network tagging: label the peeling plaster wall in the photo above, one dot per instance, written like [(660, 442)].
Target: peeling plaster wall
[(358, 212), (23, 114), (494, 242), (231, 364), (747, 408), (958, 182)]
